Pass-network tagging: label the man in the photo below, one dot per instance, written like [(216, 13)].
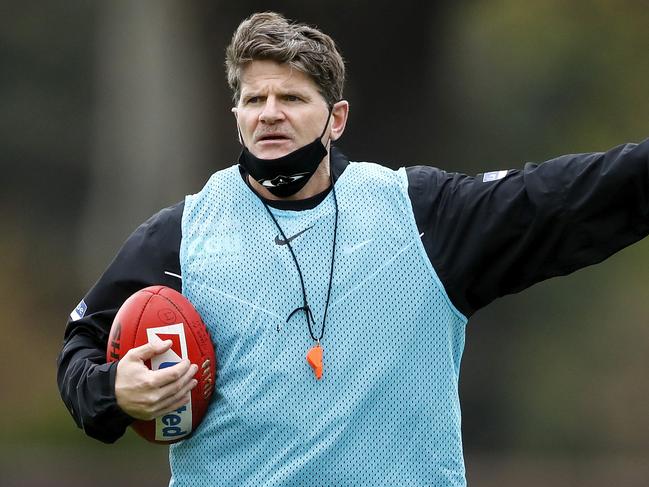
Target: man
[(370, 273)]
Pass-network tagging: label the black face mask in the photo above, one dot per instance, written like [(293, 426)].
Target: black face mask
[(284, 176)]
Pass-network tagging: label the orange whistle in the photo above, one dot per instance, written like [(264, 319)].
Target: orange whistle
[(314, 358)]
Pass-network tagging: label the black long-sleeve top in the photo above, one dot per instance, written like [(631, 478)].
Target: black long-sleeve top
[(486, 236)]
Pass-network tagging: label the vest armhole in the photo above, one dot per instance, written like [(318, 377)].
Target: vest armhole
[(403, 186)]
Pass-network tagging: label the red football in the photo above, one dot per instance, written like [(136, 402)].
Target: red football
[(160, 313)]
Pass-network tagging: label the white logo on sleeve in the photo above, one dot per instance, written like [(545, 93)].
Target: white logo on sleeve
[(79, 311), (493, 176)]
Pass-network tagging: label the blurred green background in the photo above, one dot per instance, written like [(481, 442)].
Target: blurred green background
[(111, 110)]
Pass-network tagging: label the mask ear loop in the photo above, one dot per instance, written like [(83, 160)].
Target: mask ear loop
[(331, 110), (240, 136)]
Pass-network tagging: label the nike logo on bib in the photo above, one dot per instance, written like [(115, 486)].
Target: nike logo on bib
[(280, 241)]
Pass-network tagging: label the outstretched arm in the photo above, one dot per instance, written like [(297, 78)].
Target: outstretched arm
[(499, 233)]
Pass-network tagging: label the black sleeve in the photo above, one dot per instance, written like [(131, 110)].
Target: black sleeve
[(86, 382), (488, 236)]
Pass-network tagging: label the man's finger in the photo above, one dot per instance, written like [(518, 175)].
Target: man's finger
[(171, 388), (177, 400), (148, 350), (169, 375)]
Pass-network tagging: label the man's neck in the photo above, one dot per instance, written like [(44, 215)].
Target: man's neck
[(318, 183)]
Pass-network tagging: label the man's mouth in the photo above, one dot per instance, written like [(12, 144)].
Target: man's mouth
[(272, 137)]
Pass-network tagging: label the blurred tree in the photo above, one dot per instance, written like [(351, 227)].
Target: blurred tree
[(152, 130)]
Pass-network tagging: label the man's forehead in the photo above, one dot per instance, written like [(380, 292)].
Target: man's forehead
[(259, 73)]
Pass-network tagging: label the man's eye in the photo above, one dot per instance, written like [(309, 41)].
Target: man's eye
[(252, 99), (292, 98)]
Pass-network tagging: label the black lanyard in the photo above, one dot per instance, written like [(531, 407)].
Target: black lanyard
[(314, 356)]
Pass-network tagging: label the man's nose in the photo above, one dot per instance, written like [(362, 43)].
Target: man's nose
[(272, 111)]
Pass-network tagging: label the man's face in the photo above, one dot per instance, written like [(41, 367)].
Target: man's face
[(280, 109)]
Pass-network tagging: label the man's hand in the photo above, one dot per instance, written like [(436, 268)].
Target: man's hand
[(146, 394)]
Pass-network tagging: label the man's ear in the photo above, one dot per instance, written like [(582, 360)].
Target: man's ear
[(236, 117), (339, 114)]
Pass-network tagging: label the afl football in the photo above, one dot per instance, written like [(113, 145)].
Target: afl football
[(159, 313)]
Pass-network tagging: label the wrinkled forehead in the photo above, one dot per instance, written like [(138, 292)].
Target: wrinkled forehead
[(266, 74)]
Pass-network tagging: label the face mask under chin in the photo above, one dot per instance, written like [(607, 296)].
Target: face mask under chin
[(286, 175)]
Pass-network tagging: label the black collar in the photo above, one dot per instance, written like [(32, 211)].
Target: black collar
[(339, 163)]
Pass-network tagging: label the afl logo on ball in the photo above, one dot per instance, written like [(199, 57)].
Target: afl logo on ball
[(168, 315)]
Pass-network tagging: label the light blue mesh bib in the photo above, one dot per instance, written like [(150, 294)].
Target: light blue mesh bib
[(386, 411)]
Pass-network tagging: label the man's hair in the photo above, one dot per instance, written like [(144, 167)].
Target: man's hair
[(269, 35)]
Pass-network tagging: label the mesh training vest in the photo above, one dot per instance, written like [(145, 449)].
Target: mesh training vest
[(386, 411)]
